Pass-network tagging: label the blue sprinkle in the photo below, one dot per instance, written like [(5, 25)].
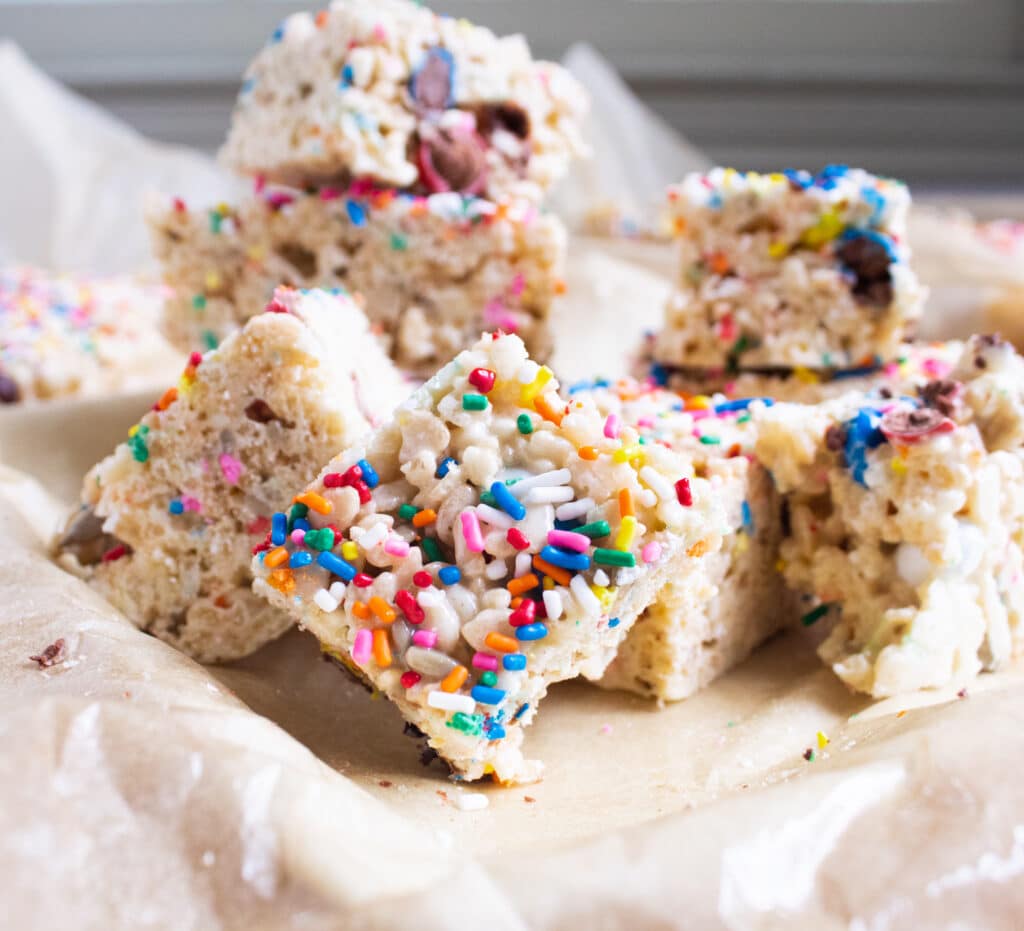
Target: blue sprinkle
[(740, 404), (446, 464), (348, 77), (659, 374), (748, 517), (613, 622), (278, 528), (531, 632), (568, 524), (514, 661), (278, 34), (335, 564), (299, 559), (567, 559), (886, 242), (579, 386), (507, 502), (300, 523), (449, 575), (176, 507), (356, 212), (520, 711), (369, 473), (863, 432), (802, 179), (487, 696), (858, 372), (494, 731)]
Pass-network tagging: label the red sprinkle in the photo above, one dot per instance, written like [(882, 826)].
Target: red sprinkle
[(194, 359), (276, 307), (410, 607), (482, 379), (179, 205), (410, 678), (362, 580), (423, 579), (334, 480), (684, 493), (365, 495), (524, 614), (115, 553), (262, 547), (517, 538)]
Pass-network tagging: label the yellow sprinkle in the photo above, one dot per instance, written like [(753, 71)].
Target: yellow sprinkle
[(627, 530), (823, 740), (256, 253), (805, 376), (780, 565), (778, 250), (605, 595), (899, 465), (742, 543), (825, 230), (699, 402), (133, 430), (349, 550), (212, 281), (629, 453), (528, 393)]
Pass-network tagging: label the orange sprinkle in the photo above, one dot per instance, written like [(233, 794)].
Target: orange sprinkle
[(626, 503), (314, 502), (283, 581), (719, 263), (501, 643), (523, 584), (698, 549), (899, 714), (453, 681), (361, 610), (382, 609), (167, 399), (680, 226), (588, 452), (560, 575), (321, 18), (381, 648), (560, 286), (275, 557), (543, 407), (424, 517)]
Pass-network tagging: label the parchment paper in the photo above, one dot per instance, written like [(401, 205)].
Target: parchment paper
[(140, 790)]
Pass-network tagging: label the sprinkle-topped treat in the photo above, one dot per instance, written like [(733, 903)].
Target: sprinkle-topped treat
[(788, 270), (388, 91), (492, 538), (718, 609), (906, 519), (168, 522), (63, 336), (435, 271)]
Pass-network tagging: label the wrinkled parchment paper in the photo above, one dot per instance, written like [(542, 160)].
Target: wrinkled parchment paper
[(140, 790)]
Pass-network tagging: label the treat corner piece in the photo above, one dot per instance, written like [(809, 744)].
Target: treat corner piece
[(489, 540)]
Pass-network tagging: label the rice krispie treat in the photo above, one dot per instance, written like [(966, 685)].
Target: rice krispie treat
[(63, 335), (389, 91), (905, 522), (168, 522), (435, 272), (710, 616), (489, 540), (787, 270)]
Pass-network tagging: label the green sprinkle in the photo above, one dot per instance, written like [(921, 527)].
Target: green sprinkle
[(209, 339), (199, 302), (137, 444), (826, 360), (398, 242), (525, 424), (711, 440), (431, 549), (320, 539), (614, 558), (408, 511), (815, 615), (474, 402), (642, 440), (489, 678), (215, 221), (472, 724), (809, 755), (599, 528), (745, 418), (487, 498), (298, 510)]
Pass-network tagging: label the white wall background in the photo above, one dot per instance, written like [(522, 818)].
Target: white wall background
[(931, 90)]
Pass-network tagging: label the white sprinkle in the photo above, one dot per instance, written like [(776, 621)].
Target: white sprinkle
[(527, 372), (451, 701), (601, 578), (657, 483), (496, 570), (553, 604), (587, 600), (648, 498), (324, 601), (337, 591), (373, 537), (494, 517), (574, 509), (543, 480), (471, 801), (523, 563), (549, 495)]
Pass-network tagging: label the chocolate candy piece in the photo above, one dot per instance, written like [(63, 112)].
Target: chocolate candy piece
[(942, 394), (905, 425), (869, 260), (10, 393), (453, 161)]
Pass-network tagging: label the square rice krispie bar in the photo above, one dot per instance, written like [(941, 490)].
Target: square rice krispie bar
[(64, 335), (388, 91), (789, 269), (489, 540), (435, 272), (718, 609), (168, 522), (906, 521)]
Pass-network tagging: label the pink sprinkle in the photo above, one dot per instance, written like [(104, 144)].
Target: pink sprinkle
[(701, 414), (569, 540), (485, 661), (331, 193), (645, 422), (612, 426), (497, 314), (277, 199), (396, 547), (425, 638), (231, 468), (518, 285), (936, 368), (891, 369), (651, 552), (362, 646), (298, 537), (471, 531), (191, 504)]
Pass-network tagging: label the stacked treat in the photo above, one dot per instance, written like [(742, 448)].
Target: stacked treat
[(460, 549)]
